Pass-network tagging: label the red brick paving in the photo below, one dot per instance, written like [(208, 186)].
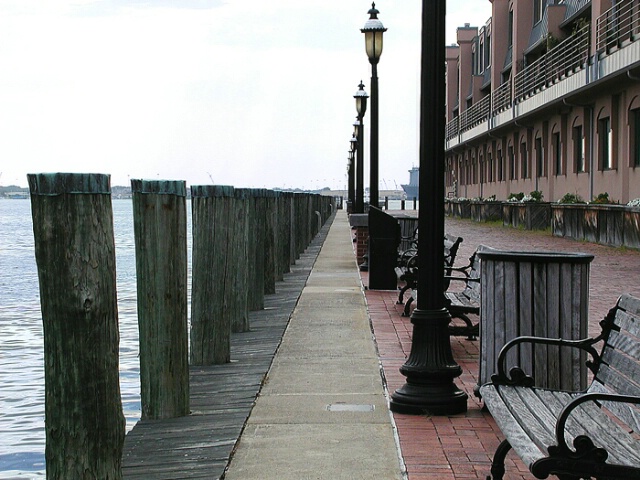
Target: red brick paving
[(462, 446)]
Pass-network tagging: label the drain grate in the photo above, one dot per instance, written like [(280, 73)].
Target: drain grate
[(350, 407)]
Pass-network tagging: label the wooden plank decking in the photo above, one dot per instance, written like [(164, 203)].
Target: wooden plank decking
[(221, 396)]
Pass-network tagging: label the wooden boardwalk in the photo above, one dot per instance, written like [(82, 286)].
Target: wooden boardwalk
[(221, 396)]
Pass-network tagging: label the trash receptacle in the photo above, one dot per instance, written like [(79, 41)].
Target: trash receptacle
[(384, 238), (543, 294)]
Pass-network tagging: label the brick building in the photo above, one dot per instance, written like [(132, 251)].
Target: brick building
[(546, 96)]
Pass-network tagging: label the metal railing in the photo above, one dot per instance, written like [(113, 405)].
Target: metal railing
[(614, 27), (568, 56), (452, 128), (475, 114), (501, 98), (619, 23)]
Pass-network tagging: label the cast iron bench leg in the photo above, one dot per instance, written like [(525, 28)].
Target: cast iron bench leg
[(497, 466)]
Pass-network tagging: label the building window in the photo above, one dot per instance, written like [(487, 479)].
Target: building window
[(524, 169), (512, 164), (538, 6), (636, 138), (510, 32), (604, 143), (578, 149), (490, 167), (487, 52), (557, 153), (539, 158), (500, 166)]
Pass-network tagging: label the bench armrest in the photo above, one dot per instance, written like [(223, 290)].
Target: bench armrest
[(462, 279), (581, 443), (517, 376), (465, 270)]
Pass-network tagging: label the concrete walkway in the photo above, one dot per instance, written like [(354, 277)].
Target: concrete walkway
[(322, 412)]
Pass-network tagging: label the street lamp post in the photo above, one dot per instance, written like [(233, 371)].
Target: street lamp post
[(358, 128), (373, 31), (430, 368), (352, 170)]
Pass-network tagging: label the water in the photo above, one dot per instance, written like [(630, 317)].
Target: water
[(22, 437)]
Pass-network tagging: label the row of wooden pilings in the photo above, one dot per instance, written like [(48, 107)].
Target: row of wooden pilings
[(244, 240)]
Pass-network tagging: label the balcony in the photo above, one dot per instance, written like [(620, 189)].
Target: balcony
[(617, 26), (552, 77)]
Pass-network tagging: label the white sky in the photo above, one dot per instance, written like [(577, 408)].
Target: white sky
[(242, 92)]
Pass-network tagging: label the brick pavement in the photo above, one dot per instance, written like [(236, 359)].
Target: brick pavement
[(462, 446)]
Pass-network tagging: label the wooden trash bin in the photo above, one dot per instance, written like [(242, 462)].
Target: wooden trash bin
[(543, 294)]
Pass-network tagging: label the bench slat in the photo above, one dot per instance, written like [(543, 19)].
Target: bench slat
[(535, 412), (621, 372), (624, 342), (631, 305), (519, 438), (589, 419)]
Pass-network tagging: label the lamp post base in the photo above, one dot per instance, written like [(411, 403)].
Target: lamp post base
[(430, 369)]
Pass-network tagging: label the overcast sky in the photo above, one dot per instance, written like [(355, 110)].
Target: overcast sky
[(238, 92)]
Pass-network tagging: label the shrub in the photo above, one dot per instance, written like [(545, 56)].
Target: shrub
[(515, 197), (535, 196), (634, 203), (602, 198), (571, 198)]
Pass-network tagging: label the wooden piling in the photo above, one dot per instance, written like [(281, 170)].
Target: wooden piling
[(239, 254), (213, 272), (75, 256), (284, 224), (160, 228), (268, 197), (255, 251)]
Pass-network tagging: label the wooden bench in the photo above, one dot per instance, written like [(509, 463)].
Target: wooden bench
[(463, 303), (573, 435), (407, 269)]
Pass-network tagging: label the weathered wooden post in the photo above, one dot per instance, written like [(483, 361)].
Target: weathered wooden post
[(301, 222), (240, 256), (278, 237), (160, 229), (284, 223), (256, 255), (213, 272), (75, 255), (268, 198)]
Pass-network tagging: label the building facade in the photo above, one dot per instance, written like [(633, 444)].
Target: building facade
[(546, 96)]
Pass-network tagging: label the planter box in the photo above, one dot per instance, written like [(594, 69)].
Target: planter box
[(530, 216), (486, 211), (613, 225), (631, 227), (459, 209), (448, 207)]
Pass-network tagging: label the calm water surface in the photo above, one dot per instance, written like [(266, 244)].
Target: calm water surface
[(22, 437)]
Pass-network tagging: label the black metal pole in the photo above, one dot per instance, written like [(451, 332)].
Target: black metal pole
[(430, 368), (373, 153), (360, 169), (352, 182)]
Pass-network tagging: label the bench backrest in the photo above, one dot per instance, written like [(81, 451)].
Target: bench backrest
[(472, 287), (619, 369), (451, 245)]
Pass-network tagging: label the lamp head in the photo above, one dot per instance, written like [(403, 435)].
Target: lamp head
[(361, 100), (373, 30)]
